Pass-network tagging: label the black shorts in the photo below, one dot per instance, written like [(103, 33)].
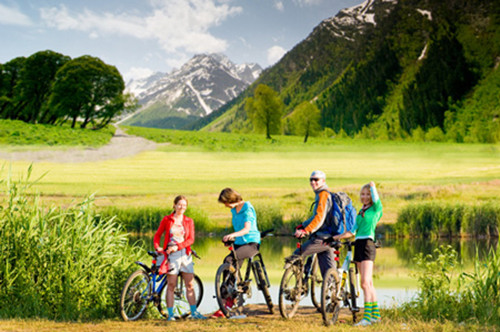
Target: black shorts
[(364, 250)]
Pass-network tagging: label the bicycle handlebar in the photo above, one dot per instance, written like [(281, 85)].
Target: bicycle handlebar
[(263, 234)]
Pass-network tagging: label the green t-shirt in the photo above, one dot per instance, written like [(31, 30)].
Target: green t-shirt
[(364, 228)]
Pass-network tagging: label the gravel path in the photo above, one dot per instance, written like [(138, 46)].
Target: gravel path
[(121, 145)]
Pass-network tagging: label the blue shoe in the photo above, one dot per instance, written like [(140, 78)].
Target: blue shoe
[(197, 315)]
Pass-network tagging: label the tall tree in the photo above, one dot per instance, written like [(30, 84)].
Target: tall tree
[(35, 82), (9, 76), (305, 119), (265, 109), (89, 89)]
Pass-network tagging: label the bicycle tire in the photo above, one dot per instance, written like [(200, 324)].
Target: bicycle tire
[(290, 292), (316, 281), (135, 296), (226, 288), (262, 285), (330, 304), (181, 307), (353, 294)]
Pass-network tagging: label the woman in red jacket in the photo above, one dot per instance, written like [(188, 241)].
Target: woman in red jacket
[(179, 236)]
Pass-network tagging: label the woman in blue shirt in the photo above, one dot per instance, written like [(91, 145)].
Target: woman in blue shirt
[(246, 235)]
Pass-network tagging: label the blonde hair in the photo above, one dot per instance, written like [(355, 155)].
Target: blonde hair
[(229, 196), (367, 187)]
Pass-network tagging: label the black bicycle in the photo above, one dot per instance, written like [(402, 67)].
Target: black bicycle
[(300, 277), (232, 289), (340, 286), (147, 286)]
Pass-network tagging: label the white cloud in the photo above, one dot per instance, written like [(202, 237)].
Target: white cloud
[(274, 54), (279, 5), (12, 16), (303, 3), (176, 25), (137, 73)]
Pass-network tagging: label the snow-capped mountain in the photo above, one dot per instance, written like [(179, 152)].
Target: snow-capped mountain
[(200, 86)]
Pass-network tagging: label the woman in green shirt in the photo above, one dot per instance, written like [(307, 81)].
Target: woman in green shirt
[(364, 249)]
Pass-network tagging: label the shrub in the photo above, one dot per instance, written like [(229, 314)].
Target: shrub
[(59, 263)]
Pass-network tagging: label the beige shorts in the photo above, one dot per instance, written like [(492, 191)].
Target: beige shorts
[(180, 262)]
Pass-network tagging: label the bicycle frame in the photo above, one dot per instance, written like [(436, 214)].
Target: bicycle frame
[(344, 268)]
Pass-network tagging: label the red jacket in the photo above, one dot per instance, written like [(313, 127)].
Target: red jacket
[(164, 228)]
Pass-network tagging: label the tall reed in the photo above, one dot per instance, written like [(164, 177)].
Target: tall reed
[(447, 293), (59, 263), (434, 219)]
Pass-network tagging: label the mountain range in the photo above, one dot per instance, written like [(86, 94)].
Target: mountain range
[(200, 86), (391, 69)]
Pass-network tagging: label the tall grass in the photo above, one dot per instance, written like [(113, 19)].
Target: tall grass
[(59, 263), (15, 132), (434, 219), (446, 293), (143, 220)]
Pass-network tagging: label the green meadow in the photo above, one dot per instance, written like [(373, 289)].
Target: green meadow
[(273, 173)]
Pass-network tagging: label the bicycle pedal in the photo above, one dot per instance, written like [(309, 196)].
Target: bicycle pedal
[(355, 309)]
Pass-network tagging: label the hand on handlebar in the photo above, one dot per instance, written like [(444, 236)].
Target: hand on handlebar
[(227, 238), (300, 233)]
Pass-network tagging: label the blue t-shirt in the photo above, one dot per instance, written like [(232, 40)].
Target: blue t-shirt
[(246, 214)]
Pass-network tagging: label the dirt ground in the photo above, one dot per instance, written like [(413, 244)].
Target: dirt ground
[(121, 145)]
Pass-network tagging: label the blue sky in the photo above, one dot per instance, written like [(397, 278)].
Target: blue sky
[(144, 36)]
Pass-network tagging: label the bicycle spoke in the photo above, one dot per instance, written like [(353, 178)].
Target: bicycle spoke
[(291, 292)]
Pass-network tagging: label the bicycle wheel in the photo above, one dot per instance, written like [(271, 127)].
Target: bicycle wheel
[(181, 303), (353, 294), (226, 290), (135, 296), (316, 280), (330, 305), (262, 284), (291, 291)]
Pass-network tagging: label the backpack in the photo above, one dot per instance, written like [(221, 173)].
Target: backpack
[(343, 213)]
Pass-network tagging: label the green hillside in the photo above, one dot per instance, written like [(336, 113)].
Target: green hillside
[(428, 69)]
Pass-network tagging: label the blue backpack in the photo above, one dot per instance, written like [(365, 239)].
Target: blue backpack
[(343, 214)]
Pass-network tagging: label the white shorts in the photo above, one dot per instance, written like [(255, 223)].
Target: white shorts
[(180, 262)]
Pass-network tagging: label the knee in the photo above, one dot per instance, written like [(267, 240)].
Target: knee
[(367, 284)]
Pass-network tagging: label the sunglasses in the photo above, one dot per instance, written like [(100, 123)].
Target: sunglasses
[(314, 179)]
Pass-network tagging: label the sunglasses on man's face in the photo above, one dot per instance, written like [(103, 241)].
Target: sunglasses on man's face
[(313, 179)]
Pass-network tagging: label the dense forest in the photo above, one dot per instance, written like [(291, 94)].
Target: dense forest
[(427, 69), (51, 88)]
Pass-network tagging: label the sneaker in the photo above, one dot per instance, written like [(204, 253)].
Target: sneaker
[(363, 322), (171, 319), (218, 314), (197, 315), (375, 320)]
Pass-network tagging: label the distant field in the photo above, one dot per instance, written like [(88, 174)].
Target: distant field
[(274, 173)]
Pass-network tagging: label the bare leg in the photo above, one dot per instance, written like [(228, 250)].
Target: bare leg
[(366, 271), (189, 280), (171, 284)]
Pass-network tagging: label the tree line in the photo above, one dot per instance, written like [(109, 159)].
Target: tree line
[(51, 88)]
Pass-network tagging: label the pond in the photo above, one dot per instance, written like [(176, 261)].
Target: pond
[(393, 269)]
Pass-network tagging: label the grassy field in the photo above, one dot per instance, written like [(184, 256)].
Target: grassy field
[(275, 173)]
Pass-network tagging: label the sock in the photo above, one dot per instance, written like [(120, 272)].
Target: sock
[(375, 311), (368, 311), (193, 308), (170, 311)]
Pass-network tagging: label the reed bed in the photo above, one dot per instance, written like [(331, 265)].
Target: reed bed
[(451, 220), (448, 294), (59, 263)]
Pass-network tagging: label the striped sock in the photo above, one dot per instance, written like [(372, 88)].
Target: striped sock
[(368, 311), (375, 311)]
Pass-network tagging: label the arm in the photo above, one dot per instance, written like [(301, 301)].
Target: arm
[(377, 203), (241, 232), (345, 235), (158, 234), (320, 213)]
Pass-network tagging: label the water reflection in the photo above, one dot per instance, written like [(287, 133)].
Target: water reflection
[(392, 274)]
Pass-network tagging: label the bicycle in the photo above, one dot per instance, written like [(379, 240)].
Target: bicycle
[(231, 286), (334, 291), (146, 286), (298, 279)]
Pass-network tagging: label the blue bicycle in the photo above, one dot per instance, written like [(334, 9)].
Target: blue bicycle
[(147, 286)]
